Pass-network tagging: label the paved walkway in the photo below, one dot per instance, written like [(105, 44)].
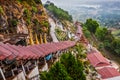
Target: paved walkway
[(52, 30)]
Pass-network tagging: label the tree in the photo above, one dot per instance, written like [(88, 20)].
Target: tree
[(73, 66), (56, 72), (69, 68), (115, 45), (91, 25), (38, 1), (101, 33), (86, 32)]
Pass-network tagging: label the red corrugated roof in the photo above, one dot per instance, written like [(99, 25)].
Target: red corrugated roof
[(32, 52), (4, 53), (35, 51), (14, 52), (97, 60), (108, 72), (21, 54)]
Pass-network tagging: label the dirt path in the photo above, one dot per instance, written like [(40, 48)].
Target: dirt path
[(52, 30)]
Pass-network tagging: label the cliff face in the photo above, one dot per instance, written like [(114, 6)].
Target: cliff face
[(23, 16)]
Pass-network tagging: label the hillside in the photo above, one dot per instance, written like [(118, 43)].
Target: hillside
[(61, 21), (22, 17), (58, 12), (41, 42), (105, 11)]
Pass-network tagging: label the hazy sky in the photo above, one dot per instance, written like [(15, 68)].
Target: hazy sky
[(73, 6), (75, 1)]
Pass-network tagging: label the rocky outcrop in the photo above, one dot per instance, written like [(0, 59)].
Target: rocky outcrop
[(23, 17)]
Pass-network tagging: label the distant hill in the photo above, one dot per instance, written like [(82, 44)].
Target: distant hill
[(105, 11)]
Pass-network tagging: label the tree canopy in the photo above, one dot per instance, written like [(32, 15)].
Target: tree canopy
[(56, 72), (91, 25), (68, 68), (101, 33), (116, 46), (73, 66)]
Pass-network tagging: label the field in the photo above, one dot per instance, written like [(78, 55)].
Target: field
[(116, 33)]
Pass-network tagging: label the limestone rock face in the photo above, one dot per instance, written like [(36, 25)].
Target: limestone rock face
[(17, 16), (3, 22)]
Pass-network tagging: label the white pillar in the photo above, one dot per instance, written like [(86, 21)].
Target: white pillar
[(52, 57), (45, 60), (35, 63), (57, 54), (13, 73), (28, 68), (2, 74), (23, 70)]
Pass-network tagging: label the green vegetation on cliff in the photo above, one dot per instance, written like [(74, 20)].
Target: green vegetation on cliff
[(58, 12), (23, 16), (23, 13)]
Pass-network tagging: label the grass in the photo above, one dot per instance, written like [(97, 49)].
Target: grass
[(116, 33), (61, 35)]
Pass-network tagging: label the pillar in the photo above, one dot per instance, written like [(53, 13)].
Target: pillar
[(2, 74)]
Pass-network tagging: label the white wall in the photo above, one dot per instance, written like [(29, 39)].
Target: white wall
[(20, 76), (34, 74), (45, 68)]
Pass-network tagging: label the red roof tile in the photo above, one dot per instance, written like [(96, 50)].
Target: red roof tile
[(14, 52), (4, 53), (32, 52), (35, 51), (22, 53), (97, 60), (108, 72)]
